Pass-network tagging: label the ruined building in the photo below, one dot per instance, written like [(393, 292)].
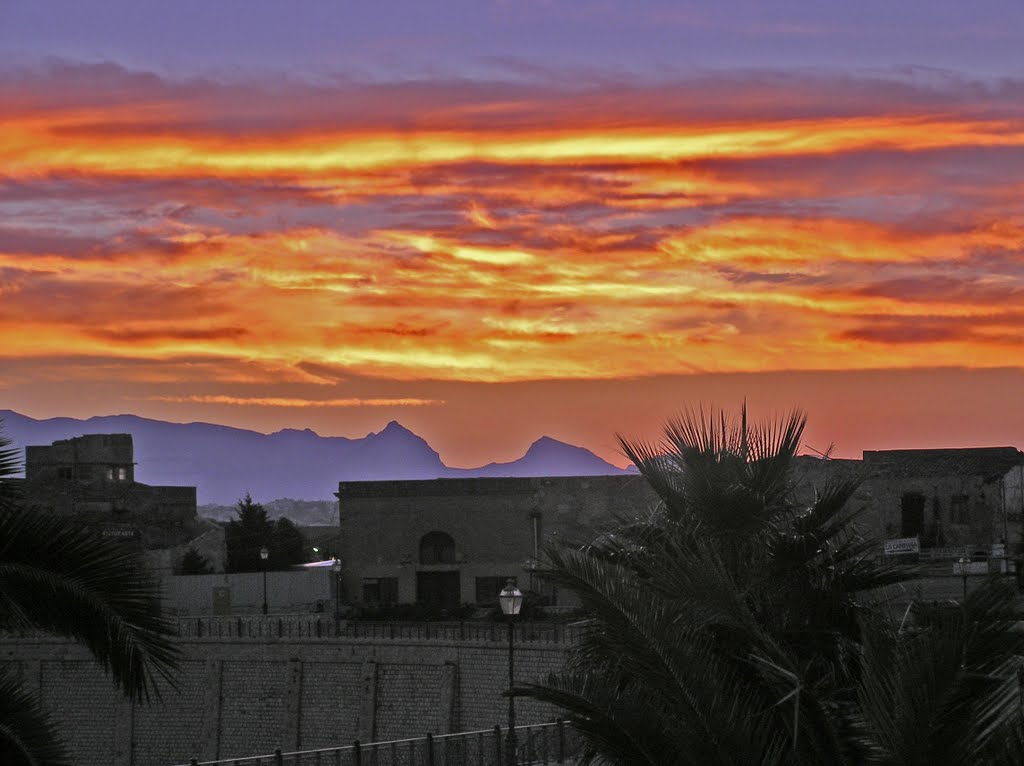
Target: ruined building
[(92, 477)]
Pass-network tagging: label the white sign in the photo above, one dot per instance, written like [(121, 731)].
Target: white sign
[(902, 545), (971, 568)]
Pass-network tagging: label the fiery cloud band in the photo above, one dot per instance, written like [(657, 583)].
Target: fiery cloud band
[(507, 232)]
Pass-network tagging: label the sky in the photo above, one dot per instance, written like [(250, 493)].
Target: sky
[(493, 221)]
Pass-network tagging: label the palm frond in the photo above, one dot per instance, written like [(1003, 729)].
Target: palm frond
[(28, 734), (10, 465), (61, 578)]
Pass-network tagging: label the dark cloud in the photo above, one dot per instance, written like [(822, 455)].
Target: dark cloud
[(910, 332), (150, 334)]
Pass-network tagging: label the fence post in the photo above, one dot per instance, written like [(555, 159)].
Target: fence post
[(357, 753), (497, 745), (278, 758), (561, 741), (430, 749), (194, 762)]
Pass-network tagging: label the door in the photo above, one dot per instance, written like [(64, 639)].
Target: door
[(912, 512), (438, 590)]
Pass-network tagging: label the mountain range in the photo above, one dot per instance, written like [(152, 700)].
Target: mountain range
[(224, 463)]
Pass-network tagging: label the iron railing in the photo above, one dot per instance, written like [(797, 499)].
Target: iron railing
[(548, 743), (306, 627)]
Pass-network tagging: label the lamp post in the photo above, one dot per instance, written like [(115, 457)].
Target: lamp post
[(264, 555), (511, 601), (336, 569), (963, 574)]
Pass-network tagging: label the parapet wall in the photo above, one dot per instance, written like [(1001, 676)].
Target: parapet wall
[(242, 696)]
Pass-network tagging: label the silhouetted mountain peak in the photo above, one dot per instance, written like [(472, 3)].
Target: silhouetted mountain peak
[(224, 463), (393, 428), (546, 444)]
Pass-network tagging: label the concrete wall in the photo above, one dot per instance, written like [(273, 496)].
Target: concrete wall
[(243, 697), (242, 593)]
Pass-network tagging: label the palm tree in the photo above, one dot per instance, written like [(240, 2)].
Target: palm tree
[(733, 625), (59, 577)]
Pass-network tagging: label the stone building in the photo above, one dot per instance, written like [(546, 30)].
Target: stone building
[(445, 542), (947, 498), (92, 477)]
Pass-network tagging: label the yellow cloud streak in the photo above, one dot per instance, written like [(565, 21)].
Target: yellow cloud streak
[(296, 403), (33, 147)]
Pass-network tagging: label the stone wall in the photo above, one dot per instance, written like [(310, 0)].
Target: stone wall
[(241, 697)]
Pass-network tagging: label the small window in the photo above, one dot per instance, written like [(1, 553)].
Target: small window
[(65, 472), (110, 474), (122, 474), (488, 588), (958, 510), (437, 548)]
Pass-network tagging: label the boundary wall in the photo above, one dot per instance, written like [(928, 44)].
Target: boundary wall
[(241, 696)]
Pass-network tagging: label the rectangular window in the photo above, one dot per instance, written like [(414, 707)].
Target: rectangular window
[(122, 474), (958, 512), (380, 590), (548, 594), (488, 588)]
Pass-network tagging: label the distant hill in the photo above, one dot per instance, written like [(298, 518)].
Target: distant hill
[(224, 463)]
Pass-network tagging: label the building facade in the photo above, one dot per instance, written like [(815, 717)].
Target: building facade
[(446, 542), (946, 498), (92, 478)]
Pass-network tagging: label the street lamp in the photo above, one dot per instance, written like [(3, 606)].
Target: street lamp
[(264, 555), (963, 574), (511, 601), (336, 569)]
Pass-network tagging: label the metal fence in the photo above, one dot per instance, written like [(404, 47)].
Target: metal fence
[(549, 743), (308, 627)]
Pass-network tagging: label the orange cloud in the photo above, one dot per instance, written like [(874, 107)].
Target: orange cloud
[(509, 233)]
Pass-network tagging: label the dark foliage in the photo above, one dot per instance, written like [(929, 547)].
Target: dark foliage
[(733, 625), (245, 536), (194, 563)]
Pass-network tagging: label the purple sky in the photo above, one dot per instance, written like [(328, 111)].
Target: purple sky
[(464, 37)]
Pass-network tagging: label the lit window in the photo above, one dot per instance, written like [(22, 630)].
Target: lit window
[(122, 474)]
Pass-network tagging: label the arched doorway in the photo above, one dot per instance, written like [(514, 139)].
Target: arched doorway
[(438, 588)]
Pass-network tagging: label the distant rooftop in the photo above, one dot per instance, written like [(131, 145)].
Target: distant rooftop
[(988, 462)]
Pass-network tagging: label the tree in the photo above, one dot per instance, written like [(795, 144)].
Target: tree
[(195, 563), (59, 577), (287, 547), (253, 530), (732, 625), (246, 535)]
